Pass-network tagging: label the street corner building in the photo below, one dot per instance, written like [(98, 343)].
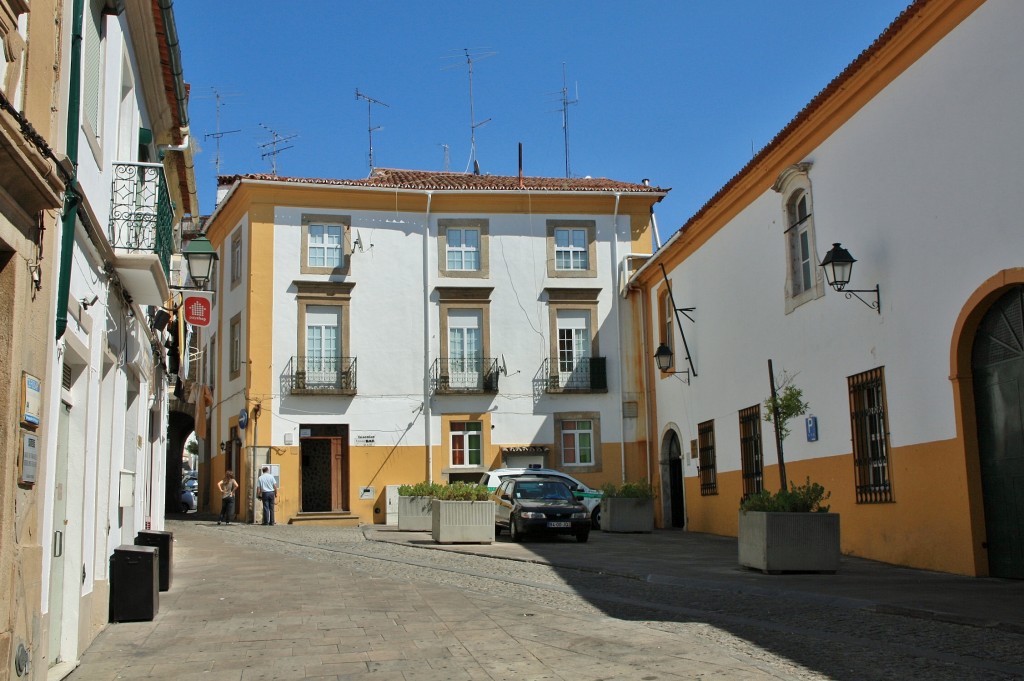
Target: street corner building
[(419, 325), (908, 165)]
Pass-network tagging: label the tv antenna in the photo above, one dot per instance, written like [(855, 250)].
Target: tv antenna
[(473, 125), (218, 97), (274, 148), (370, 101), (566, 102), (447, 157)]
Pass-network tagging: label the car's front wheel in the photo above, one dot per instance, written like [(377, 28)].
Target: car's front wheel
[(497, 529), (184, 507), (582, 537), (595, 517), (513, 531)]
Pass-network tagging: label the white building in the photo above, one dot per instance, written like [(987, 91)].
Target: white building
[(912, 160), (103, 466), (422, 326)]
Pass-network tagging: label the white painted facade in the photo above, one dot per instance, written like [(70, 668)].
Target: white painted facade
[(107, 390), (921, 185), (397, 302)]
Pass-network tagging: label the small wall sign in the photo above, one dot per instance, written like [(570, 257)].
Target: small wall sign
[(32, 398), (812, 428)]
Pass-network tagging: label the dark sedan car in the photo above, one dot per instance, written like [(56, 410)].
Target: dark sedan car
[(535, 505)]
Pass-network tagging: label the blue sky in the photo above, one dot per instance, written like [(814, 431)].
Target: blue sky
[(681, 92)]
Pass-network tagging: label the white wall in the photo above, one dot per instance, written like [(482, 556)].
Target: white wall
[(922, 187), (386, 318)]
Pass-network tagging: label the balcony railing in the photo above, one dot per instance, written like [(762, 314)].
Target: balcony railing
[(321, 376), (141, 217), (457, 376), (583, 375)]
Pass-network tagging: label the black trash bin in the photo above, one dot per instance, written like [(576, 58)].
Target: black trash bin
[(134, 583), (163, 541)]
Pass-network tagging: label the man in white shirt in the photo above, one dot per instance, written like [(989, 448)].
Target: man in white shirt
[(267, 485)]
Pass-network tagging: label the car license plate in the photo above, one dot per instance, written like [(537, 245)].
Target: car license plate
[(559, 523)]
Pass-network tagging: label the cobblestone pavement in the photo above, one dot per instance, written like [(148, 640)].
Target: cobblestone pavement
[(335, 605)]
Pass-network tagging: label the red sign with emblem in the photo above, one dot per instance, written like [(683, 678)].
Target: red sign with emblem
[(198, 310)]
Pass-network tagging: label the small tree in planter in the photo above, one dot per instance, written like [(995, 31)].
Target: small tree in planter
[(627, 508), (414, 508), (790, 530), (462, 513)]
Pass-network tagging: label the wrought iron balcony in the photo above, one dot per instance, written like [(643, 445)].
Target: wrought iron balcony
[(141, 216), (459, 376), (321, 376), (583, 375)]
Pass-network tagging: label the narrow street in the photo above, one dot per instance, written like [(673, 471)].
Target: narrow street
[(286, 602)]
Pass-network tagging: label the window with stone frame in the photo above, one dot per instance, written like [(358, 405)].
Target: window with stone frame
[(804, 279), (326, 246), (572, 248)]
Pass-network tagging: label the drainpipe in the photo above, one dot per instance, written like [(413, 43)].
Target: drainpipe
[(71, 198), (426, 340)]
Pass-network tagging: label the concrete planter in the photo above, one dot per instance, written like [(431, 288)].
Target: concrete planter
[(626, 514), (789, 542), (414, 514), (462, 522)]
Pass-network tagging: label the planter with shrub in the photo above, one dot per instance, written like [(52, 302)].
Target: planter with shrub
[(789, 531), (414, 508), (627, 508), (462, 513)]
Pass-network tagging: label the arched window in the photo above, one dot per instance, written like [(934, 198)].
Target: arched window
[(804, 280)]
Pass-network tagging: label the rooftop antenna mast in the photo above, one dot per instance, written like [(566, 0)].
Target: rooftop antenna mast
[(473, 125), (219, 133), (566, 102), (276, 140), (447, 157), (370, 101)]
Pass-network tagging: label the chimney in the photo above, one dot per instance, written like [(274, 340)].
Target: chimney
[(520, 165)]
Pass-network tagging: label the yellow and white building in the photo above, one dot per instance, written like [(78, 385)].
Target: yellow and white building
[(911, 159), (419, 326)]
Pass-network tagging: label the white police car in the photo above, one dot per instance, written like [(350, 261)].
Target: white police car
[(589, 497)]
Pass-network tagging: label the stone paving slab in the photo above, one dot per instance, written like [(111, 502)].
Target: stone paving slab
[(238, 612), (683, 559)]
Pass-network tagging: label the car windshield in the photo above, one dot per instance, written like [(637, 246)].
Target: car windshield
[(555, 491)]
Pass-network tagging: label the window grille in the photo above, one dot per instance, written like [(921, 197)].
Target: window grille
[(707, 466), (869, 424), (751, 452)]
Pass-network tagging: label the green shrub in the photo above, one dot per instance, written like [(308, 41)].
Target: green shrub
[(803, 499), (420, 489), (629, 490), (462, 491)]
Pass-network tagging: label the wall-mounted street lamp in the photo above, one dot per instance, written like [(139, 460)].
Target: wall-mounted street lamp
[(663, 360), (838, 265), (200, 256)]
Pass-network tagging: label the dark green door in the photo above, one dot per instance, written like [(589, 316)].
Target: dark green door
[(998, 365)]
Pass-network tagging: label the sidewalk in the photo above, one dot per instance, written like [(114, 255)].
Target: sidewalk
[(709, 561)]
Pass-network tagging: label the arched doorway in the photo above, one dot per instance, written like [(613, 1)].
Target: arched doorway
[(677, 499), (997, 363)]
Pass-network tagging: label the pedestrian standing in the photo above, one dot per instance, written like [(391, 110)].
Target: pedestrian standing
[(227, 488), (267, 487)]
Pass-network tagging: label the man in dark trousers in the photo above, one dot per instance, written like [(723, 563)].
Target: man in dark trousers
[(267, 486)]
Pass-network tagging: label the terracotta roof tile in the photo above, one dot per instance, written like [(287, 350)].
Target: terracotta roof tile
[(427, 180)]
